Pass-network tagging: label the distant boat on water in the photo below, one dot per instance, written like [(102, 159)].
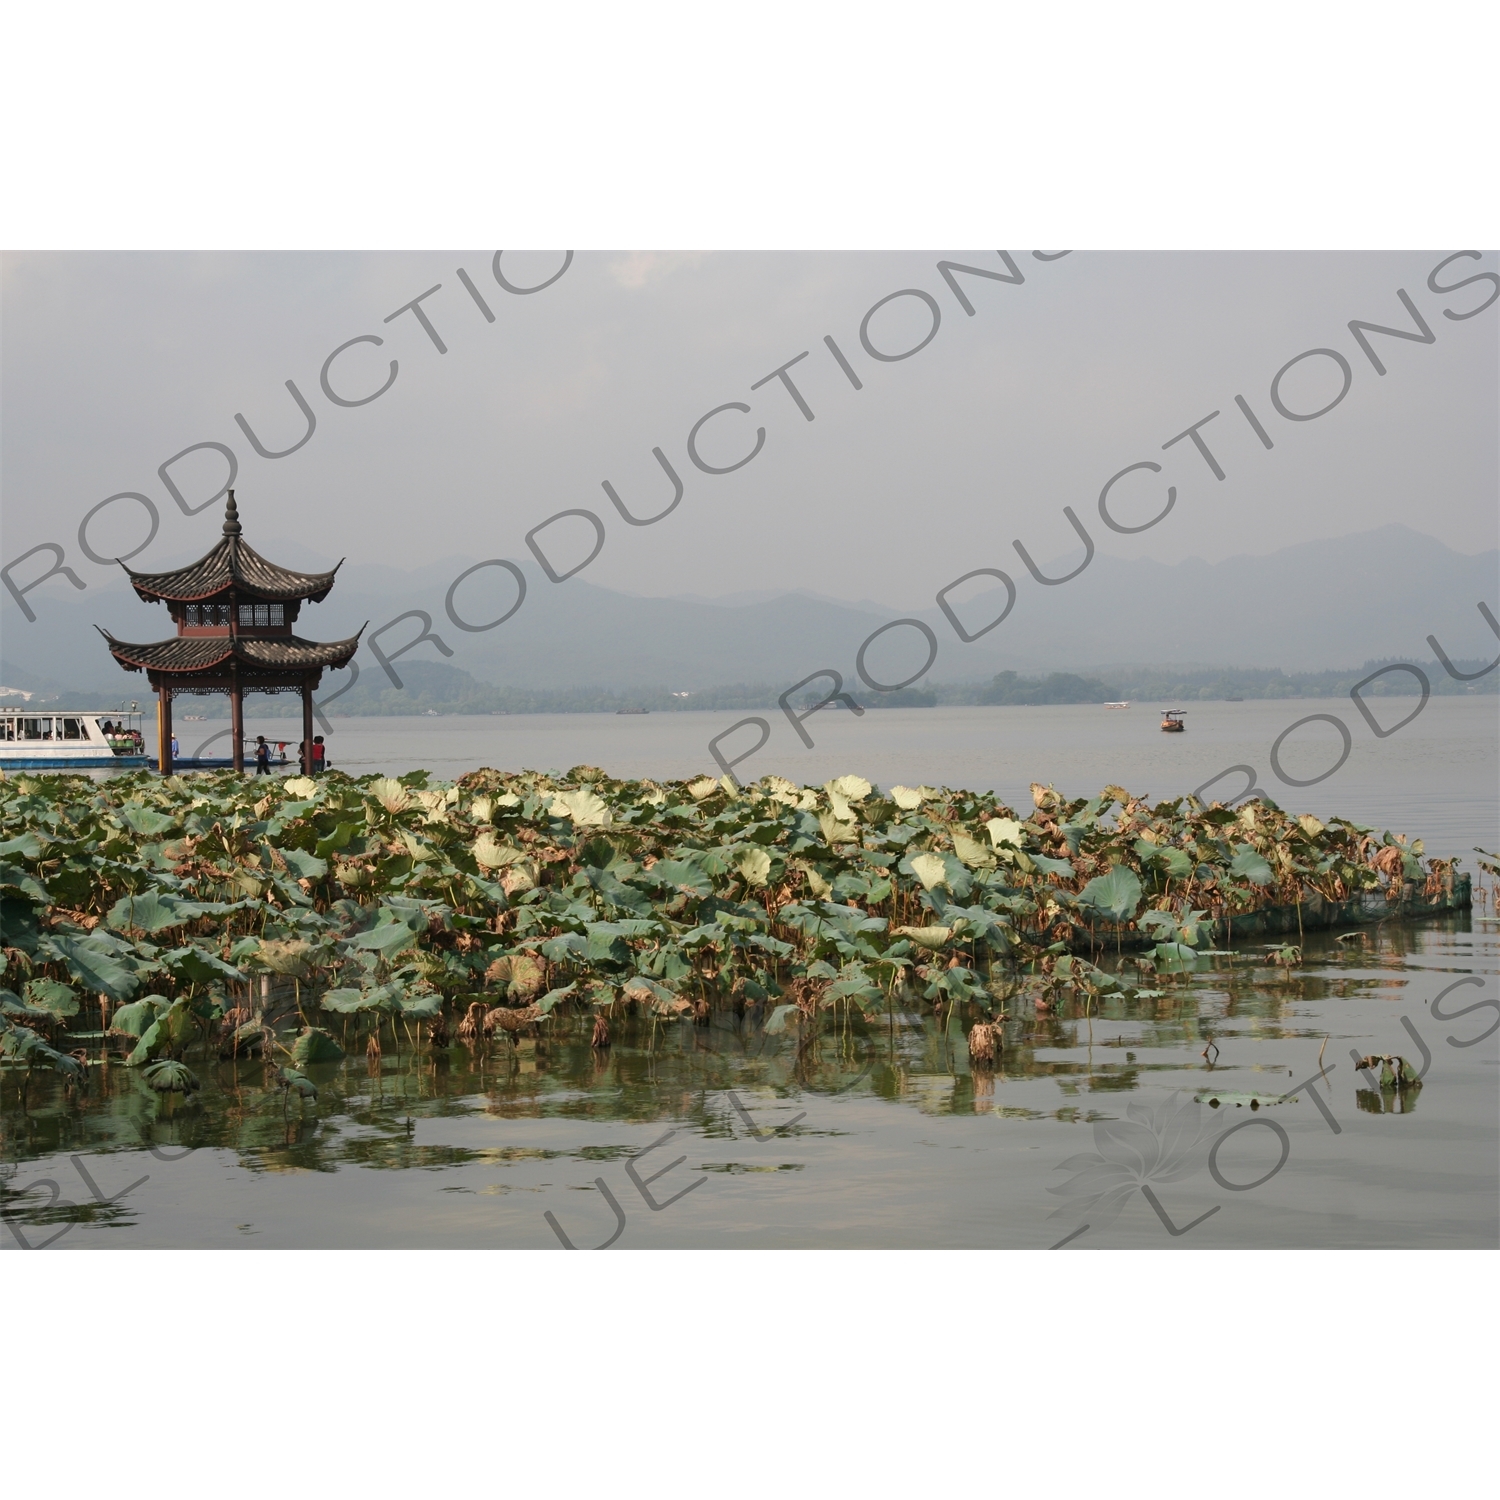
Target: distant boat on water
[(1126, 704), (634, 710)]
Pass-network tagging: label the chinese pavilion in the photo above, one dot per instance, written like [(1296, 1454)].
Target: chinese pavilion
[(234, 613)]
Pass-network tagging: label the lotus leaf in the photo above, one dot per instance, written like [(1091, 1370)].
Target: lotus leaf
[(303, 865), (551, 998), (195, 965), (972, 852), (491, 854), (17, 1011), (170, 1077), (1116, 895), (297, 1083), (755, 865), (389, 793), (291, 956), (299, 786), (527, 976), (93, 963), (313, 1045), (586, 808), (150, 912), (851, 788), (53, 997), (658, 997), (344, 1002), (925, 937), (930, 870), (1249, 865), (1005, 831), (146, 822), (135, 1018)]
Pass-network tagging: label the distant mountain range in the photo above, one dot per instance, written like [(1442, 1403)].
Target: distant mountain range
[(1317, 605)]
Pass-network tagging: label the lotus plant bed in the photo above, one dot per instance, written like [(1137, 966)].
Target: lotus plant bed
[(216, 917)]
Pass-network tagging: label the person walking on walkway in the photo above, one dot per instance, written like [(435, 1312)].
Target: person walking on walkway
[(319, 755), (262, 756)]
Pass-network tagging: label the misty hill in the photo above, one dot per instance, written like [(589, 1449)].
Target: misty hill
[(1317, 605)]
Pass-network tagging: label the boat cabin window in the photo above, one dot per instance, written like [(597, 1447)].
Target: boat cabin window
[(29, 729), (206, 614), (262, 614), (72, 729)]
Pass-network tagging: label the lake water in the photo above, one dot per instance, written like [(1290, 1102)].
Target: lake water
[(1438, 778), (879, 1135), (884, 1134)]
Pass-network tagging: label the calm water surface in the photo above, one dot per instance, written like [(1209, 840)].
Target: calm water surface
[(880, 1135)]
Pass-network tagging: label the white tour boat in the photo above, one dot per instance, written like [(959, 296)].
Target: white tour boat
[(33, 739)]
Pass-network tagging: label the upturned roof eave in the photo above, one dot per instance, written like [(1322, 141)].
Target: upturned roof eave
[(155, 656)]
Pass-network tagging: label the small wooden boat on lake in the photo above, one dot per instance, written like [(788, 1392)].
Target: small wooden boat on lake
[(1171, 721)]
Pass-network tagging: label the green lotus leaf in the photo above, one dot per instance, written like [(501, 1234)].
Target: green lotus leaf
[(344, 1002), (1116, 895), (150, 911), (52, 996), (171, 1077), (133, 1019), (303, 865), (297, 1083), (195, 965), (314, 1045), (552, 997), (1249, 865), (146, 822), (17, 879), (93, 964)]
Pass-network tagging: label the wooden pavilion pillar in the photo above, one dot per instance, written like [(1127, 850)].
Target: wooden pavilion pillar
[(307, 728), (164, 730), (237, 722)]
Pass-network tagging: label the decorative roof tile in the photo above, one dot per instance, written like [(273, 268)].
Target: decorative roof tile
[(199, 654), (232, 563)]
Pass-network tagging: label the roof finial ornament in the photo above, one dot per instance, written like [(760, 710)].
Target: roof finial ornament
[(231, 517)]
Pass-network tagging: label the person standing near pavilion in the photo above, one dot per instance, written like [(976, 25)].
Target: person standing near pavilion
[(319, 755), (235, 613), (262, 756)]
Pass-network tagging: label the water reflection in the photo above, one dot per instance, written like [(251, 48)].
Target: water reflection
[(365, 1114)]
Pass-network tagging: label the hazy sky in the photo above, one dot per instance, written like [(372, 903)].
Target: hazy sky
[(112, 363)]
